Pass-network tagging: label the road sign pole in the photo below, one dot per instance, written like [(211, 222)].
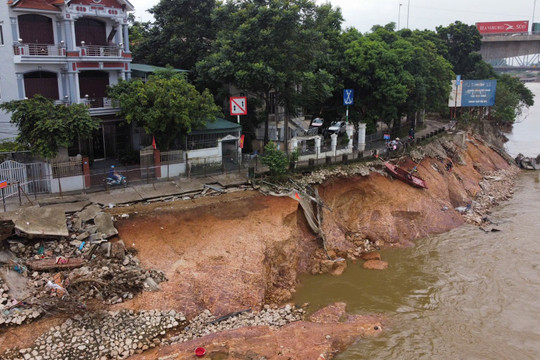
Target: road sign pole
[(347, 115), (3, 200), (238, 118)]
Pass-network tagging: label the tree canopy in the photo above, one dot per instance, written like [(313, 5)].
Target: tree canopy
[(45, 127), (275, 46), (166, 106), (180, 36), (295, 54)]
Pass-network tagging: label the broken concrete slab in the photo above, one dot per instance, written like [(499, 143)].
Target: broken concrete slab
[(189, 185), (6, 256), (63, 200), (17, 284), (213, 187), (116, 196), (41, 221), (105, 225), (72, 206), (226, 180), (149, 191), (89, 213)]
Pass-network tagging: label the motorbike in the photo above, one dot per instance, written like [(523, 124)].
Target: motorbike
[(119, 180)]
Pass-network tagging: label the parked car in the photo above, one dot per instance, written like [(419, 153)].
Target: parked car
[(316, 126), (317, 122), (337, 127)]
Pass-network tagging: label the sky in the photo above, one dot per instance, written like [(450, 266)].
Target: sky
[(420, 14)]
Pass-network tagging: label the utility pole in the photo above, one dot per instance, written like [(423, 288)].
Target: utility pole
[(534, 9), (408, 8), (399, 15)]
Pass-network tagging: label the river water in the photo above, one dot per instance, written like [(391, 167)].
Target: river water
[(465, 294)]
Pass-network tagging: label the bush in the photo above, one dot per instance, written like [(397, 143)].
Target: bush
[(275, 159)]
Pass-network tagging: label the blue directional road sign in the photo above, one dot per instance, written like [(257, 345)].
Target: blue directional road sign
[(348, 96)]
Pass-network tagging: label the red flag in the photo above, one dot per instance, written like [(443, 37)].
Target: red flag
[(242, 142), (154, 142)]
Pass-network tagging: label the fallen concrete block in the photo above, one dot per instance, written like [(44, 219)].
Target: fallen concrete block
[(42, 221), (105, 225)]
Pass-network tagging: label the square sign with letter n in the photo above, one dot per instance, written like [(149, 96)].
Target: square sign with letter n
[(238, 105)]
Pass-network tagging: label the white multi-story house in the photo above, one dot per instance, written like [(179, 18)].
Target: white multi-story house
[(68, 51)]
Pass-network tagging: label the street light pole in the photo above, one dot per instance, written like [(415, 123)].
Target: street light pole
[(399, 15), (534, 9), (408, 8)]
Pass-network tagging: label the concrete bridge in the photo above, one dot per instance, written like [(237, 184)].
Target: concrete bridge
[(507, 46)]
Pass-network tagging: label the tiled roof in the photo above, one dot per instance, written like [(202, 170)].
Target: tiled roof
[(38, 4)]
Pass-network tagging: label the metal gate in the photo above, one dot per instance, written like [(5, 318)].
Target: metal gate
[(31, 178)]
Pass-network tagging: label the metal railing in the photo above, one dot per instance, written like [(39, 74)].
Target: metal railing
[(172, 157), (101, 50), (99, 102), (39, 50), (65, 169)]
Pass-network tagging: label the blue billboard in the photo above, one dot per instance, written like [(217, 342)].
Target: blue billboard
[(478, 92)]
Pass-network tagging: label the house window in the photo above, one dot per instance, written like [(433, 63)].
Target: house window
[(44, 83), (272, 103)]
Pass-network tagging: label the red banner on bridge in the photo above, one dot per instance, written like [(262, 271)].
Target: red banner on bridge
[(503, 27)]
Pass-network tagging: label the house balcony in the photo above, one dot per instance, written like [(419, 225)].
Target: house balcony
[(39, 53), (100, 106), (49, 53), (100, 51)]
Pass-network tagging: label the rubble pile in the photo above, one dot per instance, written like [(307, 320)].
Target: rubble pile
[(14, 312), (320, 176), (60, 274), (102, 335), (496, 187), (205, 323)]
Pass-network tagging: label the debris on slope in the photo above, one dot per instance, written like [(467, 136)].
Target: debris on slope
[(59, 275)]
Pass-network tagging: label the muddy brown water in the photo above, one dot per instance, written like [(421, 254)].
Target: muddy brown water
[(465, 294)]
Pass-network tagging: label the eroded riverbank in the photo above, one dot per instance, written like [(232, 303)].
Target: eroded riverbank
[(245, 249)]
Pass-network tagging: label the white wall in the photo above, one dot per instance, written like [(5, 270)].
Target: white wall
[(8, 80), (172, 170), (71, 183), (199, 155)]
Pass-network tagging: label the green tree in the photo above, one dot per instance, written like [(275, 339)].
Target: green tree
[(166, 106), (511, 97), (45, 127), (381, 82), (269, 46), (180, 36), (462, 43)]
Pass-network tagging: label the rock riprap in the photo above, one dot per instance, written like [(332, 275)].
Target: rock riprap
[(102, 335)]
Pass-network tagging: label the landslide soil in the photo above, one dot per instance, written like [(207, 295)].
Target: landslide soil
[(241, 250), (225, 253)]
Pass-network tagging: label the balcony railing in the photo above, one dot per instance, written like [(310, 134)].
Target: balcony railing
[(97, 50), (56, 50), (39, 50), (100, 102)]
